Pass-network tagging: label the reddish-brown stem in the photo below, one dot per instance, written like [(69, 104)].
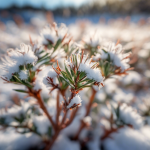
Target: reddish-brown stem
[(88, 108), (60, 128), (62, 124), (71, 97), (41, 103), (107, 133), (90, 102), (79, 131), (63, 94), (73, 114), (65, 114), (58, 109), (64, 118), (48, 147)]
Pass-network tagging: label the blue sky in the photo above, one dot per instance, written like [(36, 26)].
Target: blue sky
[(48, 4)]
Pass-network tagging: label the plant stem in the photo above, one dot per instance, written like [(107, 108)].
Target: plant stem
[(48, 147), (58, 109), (64, 118), (90, 102), (88, 108), (73, 114), (41, 103)]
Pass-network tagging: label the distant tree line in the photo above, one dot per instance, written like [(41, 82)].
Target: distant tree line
[(95, 7)]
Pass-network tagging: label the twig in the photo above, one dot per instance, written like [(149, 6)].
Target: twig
[(87, 113), (58, 109), (41, 103), (71, 97), (73, 114), (48, 147)]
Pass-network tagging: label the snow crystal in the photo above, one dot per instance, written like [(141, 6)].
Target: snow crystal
[(23, 74), (94, 74), (75, 101)]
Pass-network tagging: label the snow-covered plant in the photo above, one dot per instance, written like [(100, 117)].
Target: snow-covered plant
[(126, 115), (54, 72), (111, 57)]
